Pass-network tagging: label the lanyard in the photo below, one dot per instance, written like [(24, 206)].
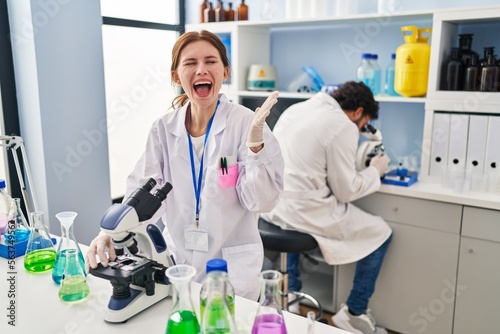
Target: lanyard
[(197, 184)]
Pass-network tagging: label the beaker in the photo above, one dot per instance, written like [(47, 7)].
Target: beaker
[(74, 285), (40, 252), (67, 242), (182, 319), (217, 317), (269, 318)]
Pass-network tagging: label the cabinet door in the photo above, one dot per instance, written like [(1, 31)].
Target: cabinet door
[(478, 288), (415, 288)]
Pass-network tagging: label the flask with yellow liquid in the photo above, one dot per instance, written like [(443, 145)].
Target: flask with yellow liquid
[(412, 62)]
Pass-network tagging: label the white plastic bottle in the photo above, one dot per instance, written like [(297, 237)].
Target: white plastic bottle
[(365, 72), (377, 76)]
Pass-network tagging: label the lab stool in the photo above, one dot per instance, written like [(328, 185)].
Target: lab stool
[(276, 239)]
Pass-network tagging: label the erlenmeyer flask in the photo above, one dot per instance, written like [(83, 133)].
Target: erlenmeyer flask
[(40, 252), (269, 318), (217, 317), (68, 242), (20, 231), (74, 285), (182, 319)]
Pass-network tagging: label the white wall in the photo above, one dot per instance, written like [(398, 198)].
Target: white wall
[(58, 63)]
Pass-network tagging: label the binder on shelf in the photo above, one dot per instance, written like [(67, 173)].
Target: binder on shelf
[(439, 144), (457, 151), (476, 144), (492, 162)]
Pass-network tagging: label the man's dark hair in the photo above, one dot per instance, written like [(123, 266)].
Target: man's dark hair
[(351, 95)]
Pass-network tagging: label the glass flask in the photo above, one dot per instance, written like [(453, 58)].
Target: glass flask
[(40, 253), (182, 319), (217, 317), (74, 285), (269, 318), (217, 267), (20, 230), (68, 243), (311, 322)]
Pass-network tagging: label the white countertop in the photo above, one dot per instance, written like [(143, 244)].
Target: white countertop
[(38, 309), (436, 192)]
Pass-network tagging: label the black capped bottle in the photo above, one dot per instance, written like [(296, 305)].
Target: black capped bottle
[(465, 45), (472, 77), (490, 76), (230, 13), (209, 13), (220, 12), (243, 11), (488, 50), (454, 71)]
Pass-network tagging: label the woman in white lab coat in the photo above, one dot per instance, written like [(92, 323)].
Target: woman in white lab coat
[(217, 215)]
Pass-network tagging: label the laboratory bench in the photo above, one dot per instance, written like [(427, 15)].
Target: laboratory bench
[(38, 308), (442, 269)]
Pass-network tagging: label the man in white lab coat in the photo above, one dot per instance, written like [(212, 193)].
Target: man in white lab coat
[(319, 138)]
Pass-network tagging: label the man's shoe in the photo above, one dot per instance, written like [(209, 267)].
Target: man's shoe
[(295, 307), (358, 324)]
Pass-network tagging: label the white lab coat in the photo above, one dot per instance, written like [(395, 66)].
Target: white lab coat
[(229, 215), (315, 134)]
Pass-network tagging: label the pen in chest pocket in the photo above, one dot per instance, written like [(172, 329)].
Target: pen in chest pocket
[(223, 165)]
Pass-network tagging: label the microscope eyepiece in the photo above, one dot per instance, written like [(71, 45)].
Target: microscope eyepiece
[(162, 192), (149, 185)]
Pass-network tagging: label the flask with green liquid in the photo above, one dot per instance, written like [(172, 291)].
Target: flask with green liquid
[(68, 242), (40, 252), (74, 285), (182, 319)]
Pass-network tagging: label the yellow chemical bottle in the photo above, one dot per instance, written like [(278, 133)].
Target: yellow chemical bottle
[(412, 62)]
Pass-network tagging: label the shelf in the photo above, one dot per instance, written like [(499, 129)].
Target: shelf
[(291, 95), (317, 22)]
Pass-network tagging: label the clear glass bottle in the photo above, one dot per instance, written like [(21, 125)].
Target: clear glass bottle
[(7, 208), (269, 317), (389, 77), (377, 74), (21, 230), (67, 245), (365, 72), (217, 317), (182, 318), (242, 11), (40, 253), (216, 268)]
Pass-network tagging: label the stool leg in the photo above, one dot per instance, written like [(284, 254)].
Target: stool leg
[(284, 288)]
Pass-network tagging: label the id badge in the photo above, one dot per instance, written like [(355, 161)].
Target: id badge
[(195, 239)]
